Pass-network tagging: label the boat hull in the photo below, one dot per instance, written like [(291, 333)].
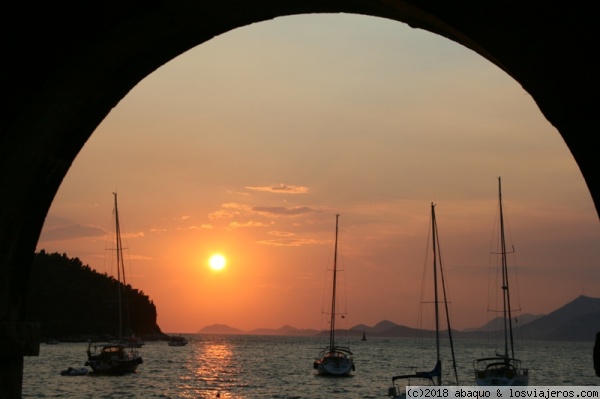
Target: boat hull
[(500, 372), (178, 341), (74, 371), (335, 367), (115, 367), (335, 363)]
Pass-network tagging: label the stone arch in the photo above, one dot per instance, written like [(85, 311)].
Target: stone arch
[(67, 66)]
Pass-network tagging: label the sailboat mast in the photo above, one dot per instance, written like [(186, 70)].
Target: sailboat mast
[(120, 268), (505, 290), (435, 286), (437, 258), (332, 326)]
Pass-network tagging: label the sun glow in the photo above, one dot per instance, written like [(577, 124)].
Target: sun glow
[(217, 262)]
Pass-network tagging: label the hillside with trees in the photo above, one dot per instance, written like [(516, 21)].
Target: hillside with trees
[(72, 302)]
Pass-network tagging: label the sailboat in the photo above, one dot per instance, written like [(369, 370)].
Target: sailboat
[(434, 376), (117, 358), (177, 340), (334, 360), (502, 369)]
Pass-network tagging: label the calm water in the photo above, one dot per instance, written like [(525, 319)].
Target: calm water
[(281, 367)]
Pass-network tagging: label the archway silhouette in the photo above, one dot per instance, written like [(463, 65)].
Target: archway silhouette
[(67, 68)]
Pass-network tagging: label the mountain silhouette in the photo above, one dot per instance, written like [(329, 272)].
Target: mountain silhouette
[(220, 329), (285, 330), (578, 320), (498, 322)]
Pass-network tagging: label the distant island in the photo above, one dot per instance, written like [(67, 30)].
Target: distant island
[(578, 320)]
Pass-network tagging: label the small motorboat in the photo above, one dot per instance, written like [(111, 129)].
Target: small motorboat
[(112, 359), (75, 371), (178, 341)]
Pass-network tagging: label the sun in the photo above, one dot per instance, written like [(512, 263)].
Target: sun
[(217, 262)]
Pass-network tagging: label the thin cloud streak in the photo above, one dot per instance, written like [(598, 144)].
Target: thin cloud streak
[(280, 189), (237, 225), (282, 211), (71, 232), (291, 242)]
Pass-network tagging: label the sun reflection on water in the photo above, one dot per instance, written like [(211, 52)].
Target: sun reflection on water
[(216, 367)]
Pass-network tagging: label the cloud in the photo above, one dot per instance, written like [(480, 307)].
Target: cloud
[(138, 257), (236, 210), (222, 214), (291, 242), (71, 232), (229, 210), (133, 235), (235, 205), (280, 189), (281, 233), (235, 225), (282, 211)]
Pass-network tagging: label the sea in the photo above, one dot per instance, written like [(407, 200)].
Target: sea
[(248, 366)]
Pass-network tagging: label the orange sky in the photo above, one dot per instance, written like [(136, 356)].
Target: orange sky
[(249, 144)]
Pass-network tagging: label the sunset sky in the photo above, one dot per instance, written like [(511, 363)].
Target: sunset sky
[(249, 144)]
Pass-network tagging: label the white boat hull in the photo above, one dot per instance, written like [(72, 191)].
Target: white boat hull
[(500, 371), (335, 366), (336, 362)]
